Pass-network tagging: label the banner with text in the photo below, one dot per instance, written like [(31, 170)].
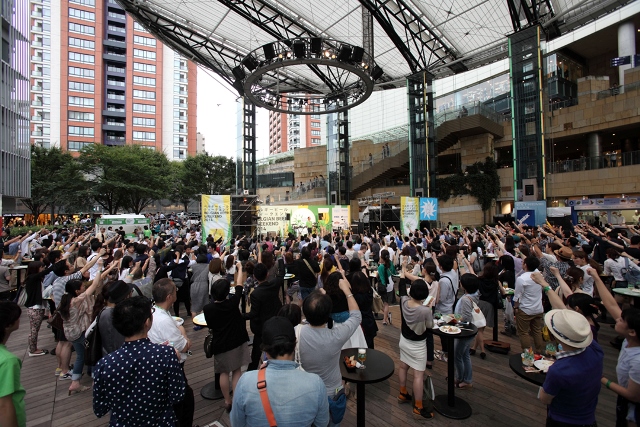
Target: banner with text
[(409, 214), (274, 219), (216, 217), (340, 217)]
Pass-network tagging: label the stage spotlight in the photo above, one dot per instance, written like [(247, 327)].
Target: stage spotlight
[(269, 51), (327, 53), (298, 49), (289, 55), (250, 62), (237, 85), (238, 73), (358, 54), (345, 53)]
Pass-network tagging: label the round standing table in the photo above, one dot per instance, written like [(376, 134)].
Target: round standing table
[(515, 363), (508, 292), (628, 292), (449, 405), (212, 390), (379, 367)]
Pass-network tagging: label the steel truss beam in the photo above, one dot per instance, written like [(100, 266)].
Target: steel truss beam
[(420, 44)]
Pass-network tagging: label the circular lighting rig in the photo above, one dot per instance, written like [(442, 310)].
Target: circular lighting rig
[(346, 72)]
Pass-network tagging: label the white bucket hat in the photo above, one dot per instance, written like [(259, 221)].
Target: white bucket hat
[(569, 327)]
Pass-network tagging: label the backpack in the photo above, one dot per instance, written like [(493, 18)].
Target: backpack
[(478, 264), (631, 275)]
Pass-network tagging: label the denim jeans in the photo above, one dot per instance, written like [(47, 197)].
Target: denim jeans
[(78, 346), (462, 360), (305, 292)]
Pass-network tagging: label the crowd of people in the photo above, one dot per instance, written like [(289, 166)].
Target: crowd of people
[(546, 278)]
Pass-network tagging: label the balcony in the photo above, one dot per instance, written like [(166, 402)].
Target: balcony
[(114, 43), (36, 28), (36, 103), (115, 57), (36, 88), (114, 112), (115, 70), (36, 73), (112, 140), (604, 161), (118, 17), (36, 14), (36, 43), (36, 58), (113, 127)]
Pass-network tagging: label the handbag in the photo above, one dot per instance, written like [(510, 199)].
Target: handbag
[(427, 388), (22, 298), (208, 345), (56, 321), (93, 344), (478, 318), (377, 305), (337, 406)]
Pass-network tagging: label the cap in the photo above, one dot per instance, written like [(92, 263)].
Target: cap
[(278, 330)]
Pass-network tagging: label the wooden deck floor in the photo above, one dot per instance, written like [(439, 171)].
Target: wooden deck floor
[(499, 397)]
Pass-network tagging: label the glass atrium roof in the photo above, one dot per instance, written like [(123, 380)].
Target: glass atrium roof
[(406, 36)]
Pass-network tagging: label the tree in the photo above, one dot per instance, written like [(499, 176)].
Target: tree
[(55, 180), (213, 174), (183, 185), (126, 177)]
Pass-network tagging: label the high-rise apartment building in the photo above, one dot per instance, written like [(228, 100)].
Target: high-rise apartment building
[(15, 164), (99, 77), (291, 131)]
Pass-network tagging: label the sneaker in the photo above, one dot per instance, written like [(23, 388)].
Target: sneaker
[(39, 353), (404, 398), (66, 376), (441, 356), (421, 413), (58, 372), (197, 328)]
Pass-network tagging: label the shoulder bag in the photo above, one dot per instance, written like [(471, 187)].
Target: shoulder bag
[(93, 344), (208, 345), (377, 305), (478, 318)]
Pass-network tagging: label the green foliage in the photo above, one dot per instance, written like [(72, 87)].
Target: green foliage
[(128, 177), (480, 180), (208, 174), (56, 180)]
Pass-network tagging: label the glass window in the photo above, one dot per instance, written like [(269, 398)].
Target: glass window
[(81, 102), (81, 131), (82, 14), (144, 108), (315, 132), (147, 41), (138, 27), (145, 68), (82, 29), (81, 117), (145, 94), (145, 54), (144, 136), (81, 87), (77, 145), (81, 72), (141, 121), (82, 43), (90, 3), (81, 57), (144, 81)]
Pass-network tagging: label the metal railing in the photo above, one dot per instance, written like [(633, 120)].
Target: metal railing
[(617, 90), (468, 110), (592, 163), (379, 156)]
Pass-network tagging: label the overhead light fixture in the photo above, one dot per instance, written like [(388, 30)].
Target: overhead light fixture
[(289, 55), (269, 51), (327, 53), (238, 73)]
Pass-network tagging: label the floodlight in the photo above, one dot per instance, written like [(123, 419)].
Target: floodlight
[(250, 62), (238, 73)]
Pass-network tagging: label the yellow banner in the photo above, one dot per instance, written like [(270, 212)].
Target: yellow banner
[(216, 217)]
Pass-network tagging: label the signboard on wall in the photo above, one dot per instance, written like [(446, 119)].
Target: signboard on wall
[(428, 209), (216, 217), (530, 213), (273, 219), (606, 204)]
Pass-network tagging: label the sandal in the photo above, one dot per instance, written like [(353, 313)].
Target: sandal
[(79, 390), (463, 387), (404, 398)]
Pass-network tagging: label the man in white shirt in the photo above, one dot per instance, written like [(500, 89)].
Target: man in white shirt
[(528, 307), (164, 330)]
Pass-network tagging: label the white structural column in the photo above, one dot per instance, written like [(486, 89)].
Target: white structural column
[(626, 46)]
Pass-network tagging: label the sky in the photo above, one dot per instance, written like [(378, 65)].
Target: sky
[(217, 118)]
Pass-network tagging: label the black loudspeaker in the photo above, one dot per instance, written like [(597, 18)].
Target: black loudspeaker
[(298, 49), (316, 45), (358, 54), (376, 73), (269, 51), (238, 73), (288, 217), (345, 53), (250, 62), (237, 85)]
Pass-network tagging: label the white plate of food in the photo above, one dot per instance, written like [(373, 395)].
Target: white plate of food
[(450, 329), (543, 365), (179, 320)]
